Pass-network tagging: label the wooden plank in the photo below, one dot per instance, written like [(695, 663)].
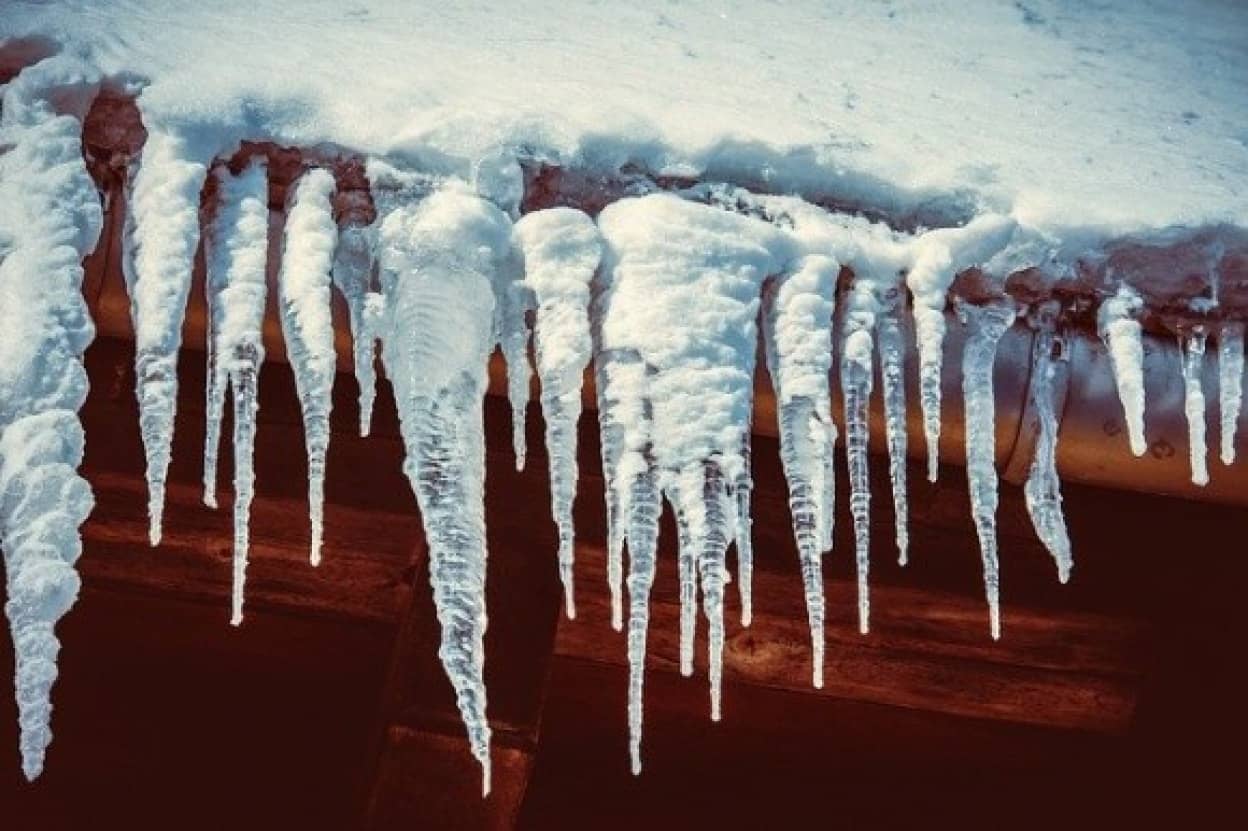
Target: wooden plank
[(927, 650)]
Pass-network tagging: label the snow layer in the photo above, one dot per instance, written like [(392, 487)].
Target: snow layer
[(50, 219), (1083, 114)]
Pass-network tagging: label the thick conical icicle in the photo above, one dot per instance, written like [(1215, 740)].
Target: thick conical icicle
[(50, 219), (1230, 384), (797, 328), (857, 349), (682, 296), (985, 324), (561, 250), (303, 288), (236, 252), (1042, 489), (938, 258), (1118, 327), (353, 275), (892, 347), (1193, 346), (162, 233), (439, 259)]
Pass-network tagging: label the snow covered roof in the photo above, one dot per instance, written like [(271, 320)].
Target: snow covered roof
[(1124, 115)]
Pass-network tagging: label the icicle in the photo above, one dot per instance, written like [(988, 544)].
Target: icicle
[(303, 287), (1193, 346), (892, 348), (643, 531), (1118, 327), (612, 436), (514, 301), (986, 325), (439, 257), (353, 275), (797, 329), (857, 348), (678, 311), (235, 251), (561, 253), (939, 256), (1043, 488), (50, 219), (162, 233), (1230, 384), (741, 490)]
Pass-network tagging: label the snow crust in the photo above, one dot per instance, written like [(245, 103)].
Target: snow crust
[(1060, 113)]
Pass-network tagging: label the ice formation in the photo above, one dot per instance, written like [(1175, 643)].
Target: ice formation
[(1193, 362), (1116, 321), (50, 219), (162, 233), (985, 326), (354, 276), (857, 350), (562, 249), (303, 289), (679, 303), (1042, 490), (938, 257), (797, 326), (439, 260), (235, 253), (892, 347), (664, 296), (1230, 384)]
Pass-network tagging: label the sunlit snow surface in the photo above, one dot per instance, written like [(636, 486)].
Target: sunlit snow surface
[(1033, 130)]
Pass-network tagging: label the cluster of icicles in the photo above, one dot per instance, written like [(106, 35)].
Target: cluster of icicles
[(663, 294)]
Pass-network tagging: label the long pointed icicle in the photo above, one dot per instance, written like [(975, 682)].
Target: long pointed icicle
[(642, 506), (632, 499), (561, 249), (1193, 346), (236, 252), (1230, 384), (1042, 490), (50, 219), (857, 349), (353, 275), (303, 288), (1118, 327), (939, 256), (683, 298), (892, 348), (439, 259), (797, 328), (162, 233), (986, 325)]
